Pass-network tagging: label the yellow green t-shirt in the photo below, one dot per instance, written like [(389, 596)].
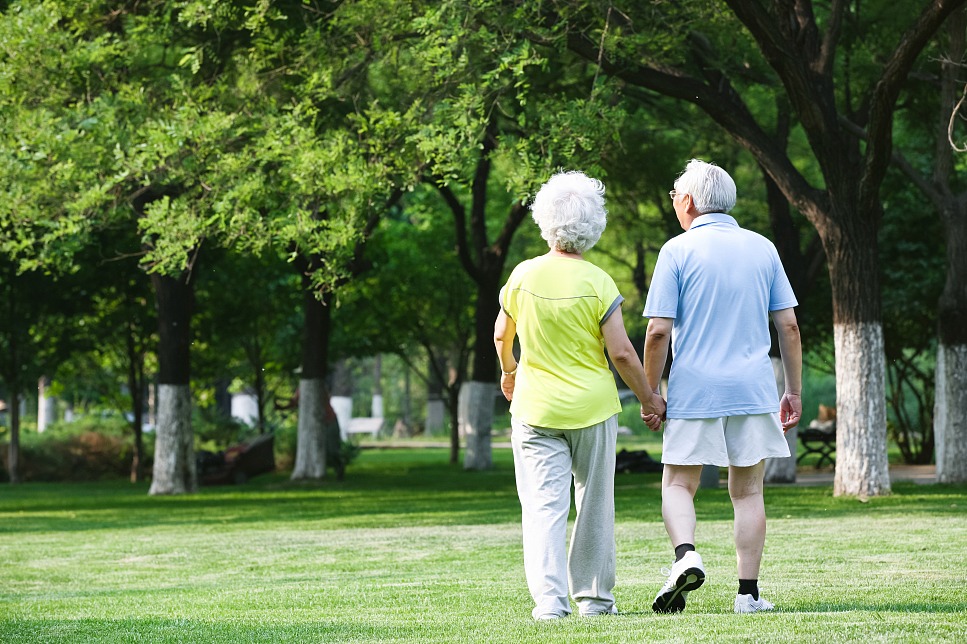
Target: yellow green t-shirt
[(559, 304)]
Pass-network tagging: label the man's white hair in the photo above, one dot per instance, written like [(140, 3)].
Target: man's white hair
[(569, 209), (711, 187)]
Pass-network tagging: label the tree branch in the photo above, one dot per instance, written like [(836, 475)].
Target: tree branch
[(724, 106), (827, 51), (880, 131), (460, 227)]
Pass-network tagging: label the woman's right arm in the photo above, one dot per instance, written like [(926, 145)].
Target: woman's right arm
[(505, 329)]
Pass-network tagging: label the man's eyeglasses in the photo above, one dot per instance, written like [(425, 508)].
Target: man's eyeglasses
[(673, 194)]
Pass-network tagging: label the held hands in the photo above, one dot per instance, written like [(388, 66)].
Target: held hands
[(653, 411), (790, 410)]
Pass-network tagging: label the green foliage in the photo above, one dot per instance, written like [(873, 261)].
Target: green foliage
[(93, 448)]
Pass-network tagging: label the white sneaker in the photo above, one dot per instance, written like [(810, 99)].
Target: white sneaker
[(745, 604), (686, 575)]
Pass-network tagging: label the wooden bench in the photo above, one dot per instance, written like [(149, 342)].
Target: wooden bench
[(819, 438), (365, 425)]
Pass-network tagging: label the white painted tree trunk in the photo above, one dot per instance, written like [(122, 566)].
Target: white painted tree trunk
[(782, 470), (174, 448), (342, 406), (476, 415), (310, 451), (46, 405), (376, 408), (436, 412), (862, 468), (950, 414)]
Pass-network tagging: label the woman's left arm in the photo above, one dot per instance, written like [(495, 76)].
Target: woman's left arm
[(505, 330), (629, 367)]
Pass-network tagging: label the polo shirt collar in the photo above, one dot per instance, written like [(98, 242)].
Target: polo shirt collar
[(713, 218)]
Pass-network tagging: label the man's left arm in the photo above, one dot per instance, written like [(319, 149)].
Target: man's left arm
[(790, 348)]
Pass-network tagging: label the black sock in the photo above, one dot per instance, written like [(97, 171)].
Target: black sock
[(682, 549), (749, 587)]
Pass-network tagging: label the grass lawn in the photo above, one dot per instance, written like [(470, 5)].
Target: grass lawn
[(409, 549)]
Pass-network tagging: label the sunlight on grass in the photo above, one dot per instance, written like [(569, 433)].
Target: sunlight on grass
[(411, 549)]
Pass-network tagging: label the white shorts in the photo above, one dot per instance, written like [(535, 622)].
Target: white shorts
[(742, 441)]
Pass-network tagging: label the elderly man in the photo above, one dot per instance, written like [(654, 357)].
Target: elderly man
[(711, 295)]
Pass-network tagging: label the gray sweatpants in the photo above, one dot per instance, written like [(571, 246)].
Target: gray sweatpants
[(544, 462)]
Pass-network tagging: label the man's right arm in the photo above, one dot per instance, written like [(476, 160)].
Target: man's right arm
[(657, 339)]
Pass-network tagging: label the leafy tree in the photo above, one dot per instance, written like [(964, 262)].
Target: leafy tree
[(114, 357), (502, 118), (36, 335), (248, 324), (840, 86), (928, 160), (414, 302)]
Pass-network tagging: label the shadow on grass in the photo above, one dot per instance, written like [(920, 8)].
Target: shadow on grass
[(908, 608), (183, 630), (397, 488)]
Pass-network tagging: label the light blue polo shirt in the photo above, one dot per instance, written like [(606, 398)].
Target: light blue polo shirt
[(719, 282)]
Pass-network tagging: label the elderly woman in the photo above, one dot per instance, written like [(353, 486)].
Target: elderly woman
[(564, 402)]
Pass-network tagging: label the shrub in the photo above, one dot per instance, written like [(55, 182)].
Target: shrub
[(88, 449), (89, 456)]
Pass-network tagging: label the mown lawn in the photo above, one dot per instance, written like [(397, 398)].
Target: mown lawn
[(409, 549)]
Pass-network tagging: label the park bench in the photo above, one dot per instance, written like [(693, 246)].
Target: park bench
[(819, 438), (365, 425)]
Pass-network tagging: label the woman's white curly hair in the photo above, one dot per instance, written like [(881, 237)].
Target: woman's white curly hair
[(569, 209)]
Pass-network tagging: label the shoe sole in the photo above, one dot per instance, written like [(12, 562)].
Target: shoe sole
[(673, 601), (754, 610)]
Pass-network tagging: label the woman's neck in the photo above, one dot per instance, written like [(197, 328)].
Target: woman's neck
[(556, 252)]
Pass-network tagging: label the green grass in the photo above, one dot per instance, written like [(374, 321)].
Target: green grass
[(410, 549)]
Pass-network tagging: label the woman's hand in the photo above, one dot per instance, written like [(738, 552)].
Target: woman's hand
[(507, 381)]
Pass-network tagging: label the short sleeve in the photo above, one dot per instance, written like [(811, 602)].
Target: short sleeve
[(662, 300), (781, 296)]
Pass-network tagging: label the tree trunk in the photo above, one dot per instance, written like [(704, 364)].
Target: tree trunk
[(376, 408), (46, 405), (310, 451), (174, 460), (341, 396), (436, 408), (260, 398), (487, 308), (310, 459), (453, 407), (862, 468), (136, 384), (950, 416), (477, 396), (476, 405), (13, 450), (950, 405), (782, 470)]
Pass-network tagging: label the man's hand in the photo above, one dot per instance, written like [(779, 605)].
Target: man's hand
[(790, 410)]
